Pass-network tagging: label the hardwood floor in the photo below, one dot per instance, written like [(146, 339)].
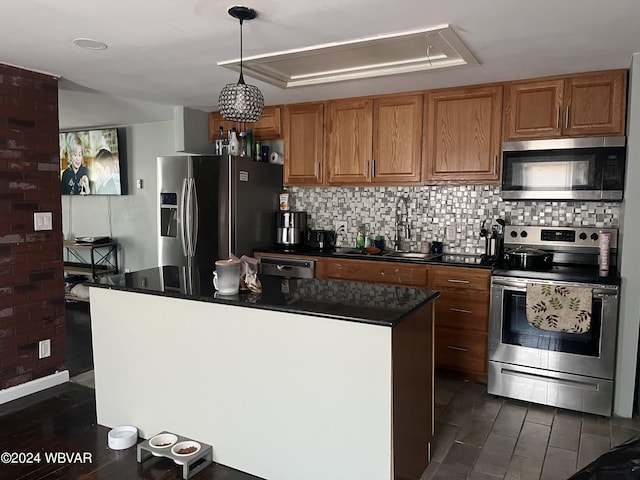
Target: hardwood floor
[(63, 419)]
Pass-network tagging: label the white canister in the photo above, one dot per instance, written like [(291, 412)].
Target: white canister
[(605, 248)]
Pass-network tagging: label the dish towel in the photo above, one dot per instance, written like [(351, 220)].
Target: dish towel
[(558, 308)]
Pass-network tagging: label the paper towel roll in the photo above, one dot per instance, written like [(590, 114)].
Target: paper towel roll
[(276, 158)]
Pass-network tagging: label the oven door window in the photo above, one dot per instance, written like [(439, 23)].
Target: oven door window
[(517, 331)]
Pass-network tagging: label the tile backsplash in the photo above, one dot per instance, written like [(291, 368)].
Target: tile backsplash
[(432, 209)]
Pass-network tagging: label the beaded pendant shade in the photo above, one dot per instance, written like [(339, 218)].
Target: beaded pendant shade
[(239, 102)]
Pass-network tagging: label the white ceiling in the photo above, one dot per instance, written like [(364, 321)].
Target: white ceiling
[(165, 53)]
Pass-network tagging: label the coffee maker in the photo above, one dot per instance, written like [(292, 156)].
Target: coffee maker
[(493, 239), (291, 228)]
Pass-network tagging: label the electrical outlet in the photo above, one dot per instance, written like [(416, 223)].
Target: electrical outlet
[(451, 233), (340, 227), (44, 348)]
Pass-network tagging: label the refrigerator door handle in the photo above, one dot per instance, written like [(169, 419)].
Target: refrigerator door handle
[(183, 216), (189, 214), (194, 199)]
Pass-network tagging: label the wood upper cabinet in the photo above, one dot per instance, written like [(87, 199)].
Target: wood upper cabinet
[(349, 141), (303, 144), (463, 132), (569, 106), (397, 140), (375, 140), (269, 127)]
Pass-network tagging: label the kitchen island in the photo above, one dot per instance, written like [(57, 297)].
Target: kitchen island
[(310, 379)]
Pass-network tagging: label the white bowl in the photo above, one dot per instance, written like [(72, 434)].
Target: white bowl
[(163, 440), (123, 437), (182, 445)]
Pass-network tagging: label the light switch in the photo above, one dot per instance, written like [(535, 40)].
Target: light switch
[(42, 221)]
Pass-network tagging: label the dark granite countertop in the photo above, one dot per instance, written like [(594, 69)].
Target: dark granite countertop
[(352, 301)]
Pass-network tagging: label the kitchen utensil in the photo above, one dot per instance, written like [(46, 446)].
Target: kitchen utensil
[(525, 258), (226, 277), (321, 239), (290, 229)]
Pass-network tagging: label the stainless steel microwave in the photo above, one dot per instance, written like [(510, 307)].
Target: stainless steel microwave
[(564, 169)]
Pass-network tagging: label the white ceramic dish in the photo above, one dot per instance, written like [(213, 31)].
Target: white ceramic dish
[(162, 440), (182, 445), (123, 437)]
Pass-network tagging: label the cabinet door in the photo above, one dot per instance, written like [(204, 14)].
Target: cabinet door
[(393, 273), (215, 122), (533, 109), (595, 104), (267, 128), (463, 351), (349, 141), (463, 135), (303, 144), (397, 140)]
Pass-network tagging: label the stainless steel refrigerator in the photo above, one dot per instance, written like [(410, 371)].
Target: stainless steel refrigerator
[(212, 206)]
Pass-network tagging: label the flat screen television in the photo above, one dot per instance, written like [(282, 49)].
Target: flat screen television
[(91, 162)]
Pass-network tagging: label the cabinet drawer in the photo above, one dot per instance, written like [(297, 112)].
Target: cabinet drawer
[(375, 272), (460, 350), (463, 312), (459, 278)]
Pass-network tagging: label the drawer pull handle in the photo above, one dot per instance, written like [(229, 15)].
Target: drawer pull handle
[(459, 349), (460, 310), (458, 281)]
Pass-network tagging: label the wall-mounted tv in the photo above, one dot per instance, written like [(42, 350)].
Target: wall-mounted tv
[(92, 163)]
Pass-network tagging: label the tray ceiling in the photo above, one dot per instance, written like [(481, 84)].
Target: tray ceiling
[(390, 54)]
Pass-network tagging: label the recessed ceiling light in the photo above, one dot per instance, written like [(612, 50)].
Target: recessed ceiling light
[(90, 44)]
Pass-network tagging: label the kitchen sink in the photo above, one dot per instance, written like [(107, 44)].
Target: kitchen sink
[(412, 255)]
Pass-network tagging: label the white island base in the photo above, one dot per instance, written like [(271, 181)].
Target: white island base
[(283, 396)]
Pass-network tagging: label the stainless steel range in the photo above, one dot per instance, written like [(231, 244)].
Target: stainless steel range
[(529, 362)]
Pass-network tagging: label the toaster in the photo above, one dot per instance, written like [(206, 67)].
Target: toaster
[(321, 239)]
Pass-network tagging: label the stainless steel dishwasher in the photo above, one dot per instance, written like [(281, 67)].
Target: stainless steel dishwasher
[(288, 267)]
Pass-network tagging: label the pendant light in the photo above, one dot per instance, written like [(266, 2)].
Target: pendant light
[(239, 102)]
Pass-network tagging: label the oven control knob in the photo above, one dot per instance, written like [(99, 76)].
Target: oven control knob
[(523, 234), (583, 236), (514, 234), (594, 236)]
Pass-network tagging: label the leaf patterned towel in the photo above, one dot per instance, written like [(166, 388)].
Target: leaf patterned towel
[(558, 308)]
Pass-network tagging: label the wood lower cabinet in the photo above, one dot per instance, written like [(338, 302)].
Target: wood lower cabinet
[(462, 319), (304, 144), (373, 271), (572, 106), (269, 127), (463, 132), (461, 311)]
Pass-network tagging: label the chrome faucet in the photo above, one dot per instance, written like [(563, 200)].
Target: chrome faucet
[(403, 228)]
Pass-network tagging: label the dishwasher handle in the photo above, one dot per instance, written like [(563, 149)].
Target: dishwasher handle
[(287, 267)]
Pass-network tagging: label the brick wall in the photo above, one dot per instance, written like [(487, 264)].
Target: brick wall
[(31, 266)]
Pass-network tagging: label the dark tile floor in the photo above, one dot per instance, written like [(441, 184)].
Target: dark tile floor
[(482, 437)]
